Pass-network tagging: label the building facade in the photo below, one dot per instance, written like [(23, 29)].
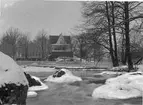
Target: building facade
[(60, 47)]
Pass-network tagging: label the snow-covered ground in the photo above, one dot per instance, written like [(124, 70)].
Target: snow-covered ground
[(37, 69), (125, 67), (63, 76), (111, 73), (140, 67), (121, 68), (10, 71), (126, 86)]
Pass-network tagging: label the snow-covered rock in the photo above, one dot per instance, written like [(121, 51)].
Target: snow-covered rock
[(32, 81), (13, 83), (63, 76), (126, 86), (40, 87), (31, 94), (35, 84), (10, 71)]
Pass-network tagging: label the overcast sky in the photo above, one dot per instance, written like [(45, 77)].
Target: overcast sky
[(34, 15)]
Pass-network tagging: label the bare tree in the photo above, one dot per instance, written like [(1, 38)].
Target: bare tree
[(43, 42), (109, 19), (9, 41), (128, 53), (99, 18), (23, 43), (82, 44), (114, 32)]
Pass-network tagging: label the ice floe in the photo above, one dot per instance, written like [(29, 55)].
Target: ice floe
[(63, 76), (126, 86), (31, 94)]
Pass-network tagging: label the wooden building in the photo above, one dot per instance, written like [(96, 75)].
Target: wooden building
[(60, 46)]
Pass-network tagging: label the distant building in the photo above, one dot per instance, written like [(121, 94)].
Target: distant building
[(60, 47)]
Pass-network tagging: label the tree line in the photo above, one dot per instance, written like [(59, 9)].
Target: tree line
[(18, 44)]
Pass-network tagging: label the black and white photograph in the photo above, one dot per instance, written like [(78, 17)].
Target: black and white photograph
[(69, 52)]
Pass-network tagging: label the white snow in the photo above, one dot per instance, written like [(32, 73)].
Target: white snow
[(68, 77), (123, 67), (126, 86), (140, 68), (110, 73), (38, 88), (31, 94), (38, 69), (10, 71)]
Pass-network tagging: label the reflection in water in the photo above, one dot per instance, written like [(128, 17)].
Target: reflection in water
[(78, 93)]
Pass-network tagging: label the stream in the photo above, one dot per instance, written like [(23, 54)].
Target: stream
[(77, 93)]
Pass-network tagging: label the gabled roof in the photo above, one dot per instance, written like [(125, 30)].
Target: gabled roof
[(61, 40), (54, 39)]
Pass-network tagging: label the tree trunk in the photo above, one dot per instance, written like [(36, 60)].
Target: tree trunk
[(114, 35), (110, 36), (128, 53), (94, 54), (80, 51), (123, 52), (26, 51), (42, 48), (14, 51)]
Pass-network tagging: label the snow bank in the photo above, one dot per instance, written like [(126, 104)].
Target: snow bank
[(120, 68), (110, 73), (10, 72), (38, 69), (123, 68), (38, 88), (31, 94), (126, 86), (34, 64), (63, 76)]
